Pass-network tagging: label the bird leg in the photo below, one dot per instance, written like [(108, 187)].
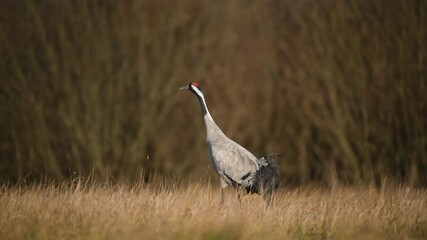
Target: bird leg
[(238, 195), (267, 199), (221, 201)]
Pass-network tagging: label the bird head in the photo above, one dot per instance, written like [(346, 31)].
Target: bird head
[(193, 87)]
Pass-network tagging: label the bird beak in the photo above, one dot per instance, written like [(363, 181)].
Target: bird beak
[(184, 88)]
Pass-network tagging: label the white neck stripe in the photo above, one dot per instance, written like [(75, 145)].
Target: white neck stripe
[(201, 99), (198, 92)]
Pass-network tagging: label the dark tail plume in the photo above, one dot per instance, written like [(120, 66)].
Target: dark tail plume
[(267, 178)]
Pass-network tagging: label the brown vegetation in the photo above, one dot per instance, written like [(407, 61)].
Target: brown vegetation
[(79, 210), (337, 88)]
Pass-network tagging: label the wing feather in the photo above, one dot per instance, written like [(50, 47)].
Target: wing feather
[(234, 162)]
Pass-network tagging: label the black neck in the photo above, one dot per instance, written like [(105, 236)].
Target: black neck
[(202, 105)]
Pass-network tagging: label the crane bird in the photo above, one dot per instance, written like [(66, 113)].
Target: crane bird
[(235, 165)]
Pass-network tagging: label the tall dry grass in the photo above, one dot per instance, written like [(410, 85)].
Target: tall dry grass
[(337, 88), (81, 210)]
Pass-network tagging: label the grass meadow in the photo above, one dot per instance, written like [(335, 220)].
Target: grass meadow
[(89, 88), (82, 210)]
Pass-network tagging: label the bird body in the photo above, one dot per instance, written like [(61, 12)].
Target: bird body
[(235, 165)]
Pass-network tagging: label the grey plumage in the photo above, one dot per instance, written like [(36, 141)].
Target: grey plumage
[(235, 165)]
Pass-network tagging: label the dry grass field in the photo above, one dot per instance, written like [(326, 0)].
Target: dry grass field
[(191, 211), (337, 88)]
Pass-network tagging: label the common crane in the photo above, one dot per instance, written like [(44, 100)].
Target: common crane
[(234, 164)]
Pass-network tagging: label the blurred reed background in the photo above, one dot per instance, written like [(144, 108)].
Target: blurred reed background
[(338, 88)]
